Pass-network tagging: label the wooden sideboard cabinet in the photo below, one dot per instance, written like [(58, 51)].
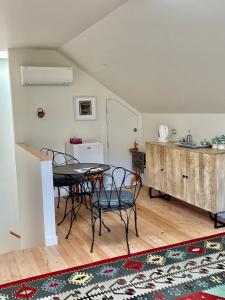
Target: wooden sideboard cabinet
[(196, 176)]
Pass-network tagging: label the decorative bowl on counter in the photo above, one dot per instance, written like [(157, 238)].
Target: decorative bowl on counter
[(219, 142), (205, 143)]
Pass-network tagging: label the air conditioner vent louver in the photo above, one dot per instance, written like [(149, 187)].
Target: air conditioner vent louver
[(33, 75)]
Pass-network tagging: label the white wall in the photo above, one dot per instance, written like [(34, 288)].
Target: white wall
[(201, 125), (8, 186), (58, 125)]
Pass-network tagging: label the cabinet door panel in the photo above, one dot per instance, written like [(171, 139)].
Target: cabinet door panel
[(155, 165), (193, 176), (201, 185), (175, 167), (219, 204)]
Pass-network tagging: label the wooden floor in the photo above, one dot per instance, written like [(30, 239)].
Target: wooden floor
[(161, 222)]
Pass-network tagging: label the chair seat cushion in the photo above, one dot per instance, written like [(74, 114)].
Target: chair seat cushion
[(61, 180), (112, 200)]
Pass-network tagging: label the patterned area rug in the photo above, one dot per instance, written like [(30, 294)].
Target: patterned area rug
[(186, 271)]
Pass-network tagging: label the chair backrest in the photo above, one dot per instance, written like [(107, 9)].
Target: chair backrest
[(59, 158), (118, 185), (48, 152)]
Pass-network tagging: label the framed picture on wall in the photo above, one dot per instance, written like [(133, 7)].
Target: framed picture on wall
[(84, 107)]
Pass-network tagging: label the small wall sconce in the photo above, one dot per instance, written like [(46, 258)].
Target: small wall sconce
[(40, 112)]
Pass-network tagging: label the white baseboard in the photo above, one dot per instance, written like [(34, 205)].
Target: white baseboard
[(51, 240)]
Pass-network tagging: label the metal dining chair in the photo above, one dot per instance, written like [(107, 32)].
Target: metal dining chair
[(82, 188), (117, 193), (58, 159)]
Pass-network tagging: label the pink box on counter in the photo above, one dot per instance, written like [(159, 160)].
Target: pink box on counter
[(75, 140)]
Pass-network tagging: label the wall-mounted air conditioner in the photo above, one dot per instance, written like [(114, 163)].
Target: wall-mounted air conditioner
[(31, 75)]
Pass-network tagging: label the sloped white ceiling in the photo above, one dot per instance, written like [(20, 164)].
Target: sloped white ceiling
[(48, 23), (159, 55)]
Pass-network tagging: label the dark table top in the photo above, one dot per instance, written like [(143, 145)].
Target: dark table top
[(80, 169)]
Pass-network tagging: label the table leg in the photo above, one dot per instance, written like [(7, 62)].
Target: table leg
[(217, 223)]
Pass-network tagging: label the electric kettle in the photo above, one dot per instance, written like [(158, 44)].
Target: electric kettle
[(163, 134)]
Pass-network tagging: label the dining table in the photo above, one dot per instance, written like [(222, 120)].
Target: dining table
[(79, 169), (76, 172)]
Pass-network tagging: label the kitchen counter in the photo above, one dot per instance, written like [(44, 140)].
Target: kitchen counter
[(198, 150)]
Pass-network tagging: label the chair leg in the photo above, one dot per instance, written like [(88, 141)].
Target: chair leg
[(93, 221), (85, 202), (121, 217), (126, 225), (71, 219), (106, 227), (100, 223), (58, 197), (65, 212), (135, 220), (127, 240)]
